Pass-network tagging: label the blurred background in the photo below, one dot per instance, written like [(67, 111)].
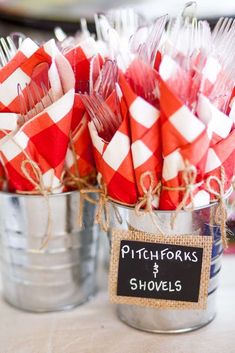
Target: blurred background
[(38, 18)]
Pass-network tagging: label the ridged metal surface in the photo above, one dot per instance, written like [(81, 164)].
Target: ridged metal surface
[(61, 275), (197, 222)]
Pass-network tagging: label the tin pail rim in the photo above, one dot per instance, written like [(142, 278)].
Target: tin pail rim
[(212, 204)]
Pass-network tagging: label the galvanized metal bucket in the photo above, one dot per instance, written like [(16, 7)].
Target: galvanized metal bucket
[(197, 222), (61, 275)]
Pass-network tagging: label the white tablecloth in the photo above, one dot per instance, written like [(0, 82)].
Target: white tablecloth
[(94, 328)]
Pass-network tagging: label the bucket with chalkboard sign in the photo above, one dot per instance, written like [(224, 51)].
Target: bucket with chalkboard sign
[(164, 278)]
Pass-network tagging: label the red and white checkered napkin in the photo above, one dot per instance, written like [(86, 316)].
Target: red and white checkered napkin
[(34, 155), (211, 72), (185, 140), (221, 151), (79, 159), (220, 155), (9, 76), (218, 123), (19, 71), (114, 160), (27, 48), (80, 57), (43, 141), (146, 139)]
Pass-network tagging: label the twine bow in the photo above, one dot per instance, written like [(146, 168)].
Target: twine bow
[(189, 176), (145, 203), (37, 180), (220, 213), (102, 216)]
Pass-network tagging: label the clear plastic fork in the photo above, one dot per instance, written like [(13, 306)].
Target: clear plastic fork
[(7, 50), (35, 96), (105, 120)]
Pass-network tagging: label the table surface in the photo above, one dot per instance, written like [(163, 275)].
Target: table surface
[(94, 328)]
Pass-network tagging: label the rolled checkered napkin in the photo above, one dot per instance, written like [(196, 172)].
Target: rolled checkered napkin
[(79, 159), (19, 71), (34, 155), (185, 144), (114, 159), (25, 67), (221, 151), (27, 48), (219, 169), (8, 74), (8, 123), (218, 123), (27, 63), (210, 73), (145, 142), (80, 57)]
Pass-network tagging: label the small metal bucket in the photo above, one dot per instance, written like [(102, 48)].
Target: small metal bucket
[(60, 276), (197, 222)]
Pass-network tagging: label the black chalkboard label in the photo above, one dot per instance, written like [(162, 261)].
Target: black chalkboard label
[(160, 270), (163, 271)]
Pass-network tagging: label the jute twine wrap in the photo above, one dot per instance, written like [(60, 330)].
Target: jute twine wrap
[(146, 202), (220, 216), (37, 181), (102, 216), (144, 205), (189, 176)]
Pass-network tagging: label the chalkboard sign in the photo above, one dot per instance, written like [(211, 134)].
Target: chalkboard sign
[(166, 271)]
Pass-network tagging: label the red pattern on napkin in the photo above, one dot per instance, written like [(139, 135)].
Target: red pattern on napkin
[(184, 139), (145, 137), (43, 140), (114, 161)]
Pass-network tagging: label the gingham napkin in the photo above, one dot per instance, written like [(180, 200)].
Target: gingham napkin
[(19, 71), (221, 150), (145, 140), (9, 75), (11, 71), (220, 155), (79, 159), (196, 138), (184, 138), (34, 155), (114, 159), (80, 57)]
